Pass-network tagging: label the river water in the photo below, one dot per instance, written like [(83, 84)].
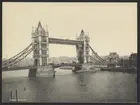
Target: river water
[(102, 86)]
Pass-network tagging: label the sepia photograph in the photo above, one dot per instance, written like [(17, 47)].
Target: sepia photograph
[(68, 52)]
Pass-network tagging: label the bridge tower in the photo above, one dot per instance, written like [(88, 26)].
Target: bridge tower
[(40, 39), (83, 50)]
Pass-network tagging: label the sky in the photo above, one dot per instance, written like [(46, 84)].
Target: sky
[(112, 27)]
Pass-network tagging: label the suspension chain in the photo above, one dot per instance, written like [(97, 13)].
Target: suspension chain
[(14, 57), (24, 53), (101, 60)]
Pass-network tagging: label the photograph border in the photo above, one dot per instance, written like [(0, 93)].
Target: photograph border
[(87, 1)]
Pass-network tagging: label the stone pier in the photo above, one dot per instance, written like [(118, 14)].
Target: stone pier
[(42, 71), (32, 72), (45, 71)]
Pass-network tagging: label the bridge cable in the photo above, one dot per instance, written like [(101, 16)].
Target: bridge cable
[(94, 59), (17, 57), (11, 62), (103, 61), (22, 55), (97, 55), (8, 60), (29, 51)]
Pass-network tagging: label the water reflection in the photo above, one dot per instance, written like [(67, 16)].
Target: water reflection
[(40, 89), (82, 82)]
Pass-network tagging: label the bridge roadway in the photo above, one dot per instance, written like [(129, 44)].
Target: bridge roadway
[(34, 67), (64, 41)]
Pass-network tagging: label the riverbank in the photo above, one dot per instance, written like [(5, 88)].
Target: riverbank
[(120, 69)]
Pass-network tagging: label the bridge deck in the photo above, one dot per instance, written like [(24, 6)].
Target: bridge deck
[(18, 68), (34, 67), (72, 64)]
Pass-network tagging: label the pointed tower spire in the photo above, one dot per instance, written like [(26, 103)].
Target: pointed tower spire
[(39, 28), (82, 32), (39, 25)]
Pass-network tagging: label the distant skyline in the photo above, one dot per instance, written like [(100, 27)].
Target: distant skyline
[(112, 27)]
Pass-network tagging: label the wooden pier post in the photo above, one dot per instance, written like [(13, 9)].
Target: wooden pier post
[(11, 94), (53, 71), (16, 95)]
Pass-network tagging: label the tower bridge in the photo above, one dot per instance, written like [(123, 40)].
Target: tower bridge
[(40, 48)]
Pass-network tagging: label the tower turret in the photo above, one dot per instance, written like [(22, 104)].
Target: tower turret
[(47, 32)]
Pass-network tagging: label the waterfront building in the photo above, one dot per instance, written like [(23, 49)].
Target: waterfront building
[(113, 59), (133, 60)]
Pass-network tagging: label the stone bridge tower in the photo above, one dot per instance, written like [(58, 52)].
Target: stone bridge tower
[(40, 40), (83, 50)]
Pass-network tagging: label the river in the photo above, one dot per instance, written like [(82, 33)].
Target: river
[(102, 86)]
